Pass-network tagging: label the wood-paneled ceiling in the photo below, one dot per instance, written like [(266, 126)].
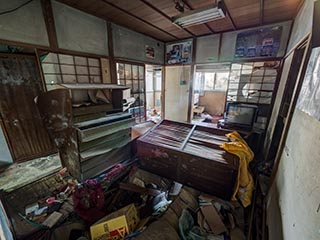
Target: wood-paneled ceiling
[(153, 17)]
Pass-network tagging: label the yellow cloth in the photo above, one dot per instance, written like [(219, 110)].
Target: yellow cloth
[(245, 184)]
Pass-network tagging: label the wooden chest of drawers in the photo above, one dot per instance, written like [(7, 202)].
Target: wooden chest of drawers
[(191, 155), (91, 137)]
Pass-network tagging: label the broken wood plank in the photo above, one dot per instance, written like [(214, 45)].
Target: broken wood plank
[(213, 219), (135, 188)]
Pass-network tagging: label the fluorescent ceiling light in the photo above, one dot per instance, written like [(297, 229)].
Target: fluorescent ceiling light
[(200, 16)]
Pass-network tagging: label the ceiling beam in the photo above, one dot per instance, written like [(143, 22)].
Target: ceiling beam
[(230, 17), (191, 8), (139, 18), (50, 26), (261, 11), (165, 15)]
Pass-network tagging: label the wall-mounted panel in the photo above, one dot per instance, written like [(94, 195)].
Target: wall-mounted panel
[(229, 39), (79, 31), (132, 45), (24, 25), (207, 50)]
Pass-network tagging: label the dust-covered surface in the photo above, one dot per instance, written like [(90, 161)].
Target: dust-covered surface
[(21, 174)]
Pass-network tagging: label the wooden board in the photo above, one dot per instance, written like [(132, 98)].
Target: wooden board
[(213, 219)]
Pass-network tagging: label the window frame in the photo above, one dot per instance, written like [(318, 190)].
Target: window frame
[(127, 79), (60, 74)]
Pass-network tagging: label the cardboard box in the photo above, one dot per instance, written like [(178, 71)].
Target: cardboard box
[(116, 225)]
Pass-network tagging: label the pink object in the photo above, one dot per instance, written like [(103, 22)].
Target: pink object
[(114, 171), (50, 200)]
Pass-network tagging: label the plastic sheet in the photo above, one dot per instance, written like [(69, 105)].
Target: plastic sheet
[(309, 98)]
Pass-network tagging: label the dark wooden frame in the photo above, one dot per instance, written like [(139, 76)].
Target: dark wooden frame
[(306, 42), (50, 25), (162, 89), (75, 69), (124, 62), (192, 73)]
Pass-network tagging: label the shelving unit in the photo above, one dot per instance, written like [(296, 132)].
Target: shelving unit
[(254, 83)]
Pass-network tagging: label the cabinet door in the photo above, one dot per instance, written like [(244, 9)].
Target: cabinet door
[(19, 85)]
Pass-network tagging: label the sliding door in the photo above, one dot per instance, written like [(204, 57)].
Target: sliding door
[(20, 84)]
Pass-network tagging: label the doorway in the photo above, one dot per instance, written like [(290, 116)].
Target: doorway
[(177, 85), (281, 116), (154, 93), (210, 89)]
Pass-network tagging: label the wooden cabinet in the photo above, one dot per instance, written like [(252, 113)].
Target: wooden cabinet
[(91, 135), (191, 155)]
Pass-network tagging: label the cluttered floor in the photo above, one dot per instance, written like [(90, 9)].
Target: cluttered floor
[(130, 201), (125, 202)]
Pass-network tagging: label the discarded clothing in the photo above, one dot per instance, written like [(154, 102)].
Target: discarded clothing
[(245, 184), (188, 231)]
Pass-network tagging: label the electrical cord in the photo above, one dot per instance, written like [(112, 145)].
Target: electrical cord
[(16, 8)]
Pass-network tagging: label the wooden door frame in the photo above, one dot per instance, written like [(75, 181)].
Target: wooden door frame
[(163, 91), (306, 42), (164, 80), (162, 100), (117, 60), (192, 76)]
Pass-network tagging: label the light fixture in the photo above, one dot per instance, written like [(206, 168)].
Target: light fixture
[(178, 6), (200, 16)]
